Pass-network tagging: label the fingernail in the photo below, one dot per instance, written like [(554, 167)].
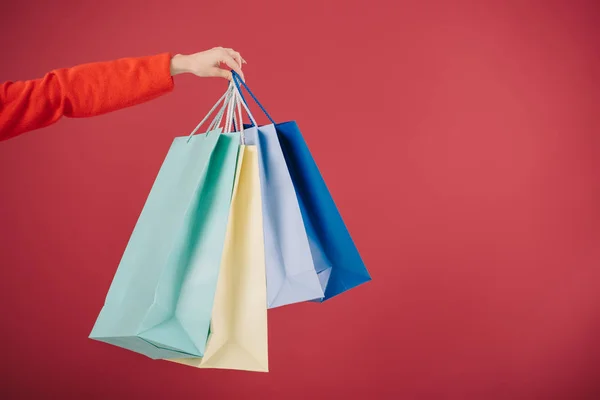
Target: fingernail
[(244, 61)]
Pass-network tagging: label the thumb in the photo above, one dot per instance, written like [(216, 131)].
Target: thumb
[(222, 73)]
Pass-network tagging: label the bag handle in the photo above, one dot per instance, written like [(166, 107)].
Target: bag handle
[(232, 103), (219, 117), (226, 111), (237, 101), (232, 99), (237, 79), (223, 99), (230, 114)]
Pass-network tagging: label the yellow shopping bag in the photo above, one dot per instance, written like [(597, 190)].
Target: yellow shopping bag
[(238, 338)]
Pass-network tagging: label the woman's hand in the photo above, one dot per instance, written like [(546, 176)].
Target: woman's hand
[(216, 62)]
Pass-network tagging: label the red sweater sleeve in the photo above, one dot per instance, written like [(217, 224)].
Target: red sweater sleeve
[(83, 91)]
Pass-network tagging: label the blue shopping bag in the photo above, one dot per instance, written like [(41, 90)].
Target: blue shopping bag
[(290, 270), (334, 255), (160, 300)]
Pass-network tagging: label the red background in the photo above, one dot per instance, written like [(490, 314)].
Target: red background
[(460, 140)]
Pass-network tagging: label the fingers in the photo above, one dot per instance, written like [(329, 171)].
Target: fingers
[(228, 60), (236, 56), (222, 73)]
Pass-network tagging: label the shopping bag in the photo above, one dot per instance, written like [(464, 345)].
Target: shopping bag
[(335, 256), (238, 338), (160, 300), (337, 260), (291, 274)]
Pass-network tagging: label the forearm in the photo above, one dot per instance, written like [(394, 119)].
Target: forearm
[(180, 64), (84, 91)]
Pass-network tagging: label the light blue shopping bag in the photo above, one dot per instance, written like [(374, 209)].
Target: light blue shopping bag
[(291, 273), (334, 255), (160, 301)]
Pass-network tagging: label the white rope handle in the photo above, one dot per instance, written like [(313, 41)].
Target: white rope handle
[(232, 117), (236, 117), (240, 120), (230, 113), (226, 111), (236, 101), (219, 117), (235, 104), (241, 103), (231, 109), (226, 95)]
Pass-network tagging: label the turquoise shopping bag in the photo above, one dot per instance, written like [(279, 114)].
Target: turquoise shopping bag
[(160, 301)]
